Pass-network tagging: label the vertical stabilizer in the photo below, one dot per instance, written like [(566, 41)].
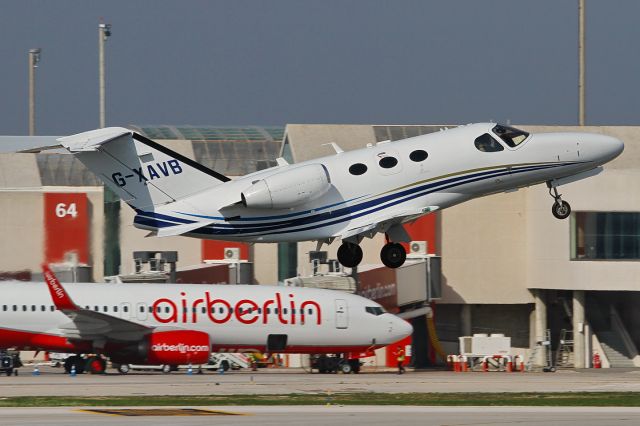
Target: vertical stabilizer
[(142, 172)]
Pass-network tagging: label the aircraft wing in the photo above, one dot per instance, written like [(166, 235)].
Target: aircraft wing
[(90, 325), (390, 223)]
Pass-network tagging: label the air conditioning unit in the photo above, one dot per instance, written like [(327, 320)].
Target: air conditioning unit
[(418, 247), (231, 253)]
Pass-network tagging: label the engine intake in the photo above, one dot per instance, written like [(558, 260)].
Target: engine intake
[(288, 188)]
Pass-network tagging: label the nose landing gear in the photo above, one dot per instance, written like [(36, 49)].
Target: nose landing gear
[(560, 209)]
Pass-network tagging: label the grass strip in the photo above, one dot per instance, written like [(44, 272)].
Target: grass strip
[(566, 399)]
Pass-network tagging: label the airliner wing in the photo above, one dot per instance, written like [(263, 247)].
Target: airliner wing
[(390, 223), (86, 324)]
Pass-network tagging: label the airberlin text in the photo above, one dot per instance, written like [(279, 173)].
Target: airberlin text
[(281, 309)]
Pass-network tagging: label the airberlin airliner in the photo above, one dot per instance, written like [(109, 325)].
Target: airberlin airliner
[(185, 323)]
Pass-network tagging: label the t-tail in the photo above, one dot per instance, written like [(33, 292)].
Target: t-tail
[(142, 172)]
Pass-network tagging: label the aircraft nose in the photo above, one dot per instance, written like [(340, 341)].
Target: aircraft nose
[(604, 148), (402, 328)]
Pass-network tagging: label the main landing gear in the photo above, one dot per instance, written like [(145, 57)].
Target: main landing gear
[(349, 255), (560, 209), (392, 255)]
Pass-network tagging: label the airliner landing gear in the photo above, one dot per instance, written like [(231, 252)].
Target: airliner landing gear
[(349, 255), (560, 209), (393, 255)]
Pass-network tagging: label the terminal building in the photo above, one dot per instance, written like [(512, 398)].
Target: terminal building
[(507, 265)]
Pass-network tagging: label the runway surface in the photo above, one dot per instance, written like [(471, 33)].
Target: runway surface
[(337, 415), (53, 382)]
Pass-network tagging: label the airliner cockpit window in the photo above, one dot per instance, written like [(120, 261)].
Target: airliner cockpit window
[(375, 310), (510, 135), (486, 143)]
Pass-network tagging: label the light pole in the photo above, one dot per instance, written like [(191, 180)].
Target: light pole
[(104, 31), (34, 58), (581, 63)]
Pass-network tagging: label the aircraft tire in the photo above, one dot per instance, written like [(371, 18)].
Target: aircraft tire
[(349, 255), (96, 365), (166, 369), (561, 209), (393, 255)]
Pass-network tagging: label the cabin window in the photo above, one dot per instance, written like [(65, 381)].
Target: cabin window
[(105, 308), (43, 308), (204, 310), (284, 311), (388, 162), (268, 310), (418, 155), (52, 308), (33, 308), (126, 308), (4, 308), (309, 311), (115, 309), (15, 308), (95, 308), (486, 143), (358, 169), (24, 308), (510, 135), (166, 309)]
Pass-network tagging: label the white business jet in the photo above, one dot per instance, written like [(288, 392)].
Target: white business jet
[(184, 323), (348, 195)]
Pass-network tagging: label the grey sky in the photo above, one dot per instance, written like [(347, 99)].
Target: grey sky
[(354, 61)]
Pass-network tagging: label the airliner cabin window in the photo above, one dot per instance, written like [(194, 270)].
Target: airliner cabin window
[(510, 135), (486, 143)]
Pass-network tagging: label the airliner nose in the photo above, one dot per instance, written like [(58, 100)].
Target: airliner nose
[(402, 328)]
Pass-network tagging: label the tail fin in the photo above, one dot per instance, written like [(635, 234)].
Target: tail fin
[(142, 172)]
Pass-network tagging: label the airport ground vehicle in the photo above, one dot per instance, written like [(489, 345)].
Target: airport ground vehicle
[(10, 362), (218, 361), (335, 363)]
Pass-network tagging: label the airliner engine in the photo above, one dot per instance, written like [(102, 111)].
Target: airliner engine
[(288, 189)]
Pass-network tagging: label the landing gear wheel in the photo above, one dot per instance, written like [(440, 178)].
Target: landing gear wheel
[(561, 209), (349, 255), (166, 368), (393, 255), (74, 361), (96, 365)]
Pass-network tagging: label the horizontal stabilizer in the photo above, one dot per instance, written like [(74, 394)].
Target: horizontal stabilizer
[(91, 140)]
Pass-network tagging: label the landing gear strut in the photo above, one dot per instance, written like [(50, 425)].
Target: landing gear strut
[(393, 255), (349, 255), (560, 209)]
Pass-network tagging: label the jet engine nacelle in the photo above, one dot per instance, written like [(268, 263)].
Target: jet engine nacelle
[(176, 347), (288, 188)]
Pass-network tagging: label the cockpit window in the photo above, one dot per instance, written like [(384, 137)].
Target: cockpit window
[(510, 135), (486, 143), (375, 310)]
